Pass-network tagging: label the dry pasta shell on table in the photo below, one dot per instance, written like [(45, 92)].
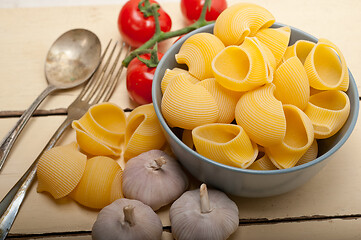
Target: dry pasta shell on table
[(276, 39), (225, 99), (263, 163), (261, 115), (197, 52), (101, 183), (241, 68), (143, 131), (101, 130), (60, 169), (228, 144), (241, 20), (300, 49), (299, 137), (187, 105), (310, 155), (292, 86), (169, 74), (328, 111), (326, 67)]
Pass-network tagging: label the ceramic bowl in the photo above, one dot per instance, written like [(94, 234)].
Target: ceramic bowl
[(246, 182)]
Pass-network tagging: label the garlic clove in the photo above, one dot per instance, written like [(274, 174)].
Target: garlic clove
[(127, 219), (203, 214), (155, 178)]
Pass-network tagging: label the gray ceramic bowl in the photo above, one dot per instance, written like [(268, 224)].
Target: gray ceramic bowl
[(245, 182)]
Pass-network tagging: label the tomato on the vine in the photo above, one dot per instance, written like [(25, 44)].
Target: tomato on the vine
[(191, 9), (136, 29), (140, 79)]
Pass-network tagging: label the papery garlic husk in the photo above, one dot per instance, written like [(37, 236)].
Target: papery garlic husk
[(155, 178), (112, 223), (193, 216)]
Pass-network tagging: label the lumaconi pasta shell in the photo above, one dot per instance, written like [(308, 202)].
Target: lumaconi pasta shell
[(197, 52), (241, 20), (100, 184), (276, 39), (300, 49), (310, 155), (187, 105), (225, 99), (299, 137), (261, 115), (326, 67), (328, 111), (263, 163), (241, 68), (187, 138), (101, 129), (228, 144), (143, 131), (292, 86), (60, 169), (170, 74)]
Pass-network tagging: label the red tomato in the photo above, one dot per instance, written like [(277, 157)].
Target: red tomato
[(135, 28), (191, 9), (139, 80)]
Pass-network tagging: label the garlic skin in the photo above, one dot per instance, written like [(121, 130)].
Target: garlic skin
[(127, 219), (155, 178), (200, 215)]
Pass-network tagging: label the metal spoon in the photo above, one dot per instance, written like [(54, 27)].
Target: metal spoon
[(71, 60)]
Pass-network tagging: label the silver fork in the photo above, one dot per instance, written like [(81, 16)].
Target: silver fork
[(98, 89)]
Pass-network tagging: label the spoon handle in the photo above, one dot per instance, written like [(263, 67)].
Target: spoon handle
[(8, 141)]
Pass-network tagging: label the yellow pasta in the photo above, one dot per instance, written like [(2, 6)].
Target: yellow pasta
[(261, 115), (225, 143), (143, 132), (197, 52), (292, 86), (263, 163), (310, 155), (170, 74), (276, 39), (187, 138), (242, 68), (101, 183), (187, 105), (299, 137), (241, 20), (328, 111), (300, 49), (326, 67), (60, 169), (101, 130), (225, 99)]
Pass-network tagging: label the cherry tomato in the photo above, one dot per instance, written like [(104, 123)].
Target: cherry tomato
[(134, 28), (139, 80), (191, 9)]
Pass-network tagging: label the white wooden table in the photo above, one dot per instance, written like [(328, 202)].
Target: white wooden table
[(327, 207)]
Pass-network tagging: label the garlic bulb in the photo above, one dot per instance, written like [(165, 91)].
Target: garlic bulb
[(203, 215), (154, 178), (127, 219)]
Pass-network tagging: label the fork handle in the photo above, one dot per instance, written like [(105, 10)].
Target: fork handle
[(9, 140), (10, 205)]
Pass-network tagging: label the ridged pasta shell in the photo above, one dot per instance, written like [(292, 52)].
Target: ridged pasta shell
[(101, 183), (143, 131), (326, 67), (170, 74), (292, 86), (197, 52), (187, 105), (263, 163), (101, 130), (261, 115), (228, 144), (328, 111), (241, 68), (225, 99), (310, 155), (60, 169), (276, 39), (300, 49), (187, 138), (241, 20)]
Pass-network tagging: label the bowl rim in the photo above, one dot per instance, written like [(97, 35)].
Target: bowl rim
[(319, 159)]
